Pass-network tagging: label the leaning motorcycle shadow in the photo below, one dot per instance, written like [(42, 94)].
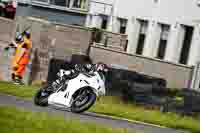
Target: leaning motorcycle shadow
[(59, 108), (86, 114)]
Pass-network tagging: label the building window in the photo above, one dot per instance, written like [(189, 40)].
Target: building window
[(123, 25), (104, 24), (80, 4), (74, 4), (142, 36), (41, 1), (163, 41), (104, 21), (186, 44), (198, 2), (65, 3)]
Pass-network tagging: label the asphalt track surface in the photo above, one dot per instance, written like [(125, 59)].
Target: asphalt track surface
[(7, 100)]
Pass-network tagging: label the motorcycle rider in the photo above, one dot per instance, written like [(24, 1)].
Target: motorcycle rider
[(87, 68), (72, 73), (84, 67)]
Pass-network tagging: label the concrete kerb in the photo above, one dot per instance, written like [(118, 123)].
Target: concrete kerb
[(135, 121)]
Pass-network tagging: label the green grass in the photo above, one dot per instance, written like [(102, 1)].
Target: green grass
[(115, 107), (26, 92), (13, 120)]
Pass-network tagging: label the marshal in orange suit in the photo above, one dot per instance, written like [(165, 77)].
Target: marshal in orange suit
[(21, 58)]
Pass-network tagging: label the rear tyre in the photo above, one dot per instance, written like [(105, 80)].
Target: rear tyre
[(88, 100)]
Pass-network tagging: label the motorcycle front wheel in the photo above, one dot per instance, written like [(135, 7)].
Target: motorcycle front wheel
[(41, 96), (83, 100)]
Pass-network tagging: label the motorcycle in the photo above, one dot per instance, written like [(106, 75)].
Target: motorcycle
[(77, 92)]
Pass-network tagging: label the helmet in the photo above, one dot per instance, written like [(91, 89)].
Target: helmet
[(102, 67), (87, 67), (19, 38)]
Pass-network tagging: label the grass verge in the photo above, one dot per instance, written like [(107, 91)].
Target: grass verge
[(23, 91), (13, 120), (113, 106)]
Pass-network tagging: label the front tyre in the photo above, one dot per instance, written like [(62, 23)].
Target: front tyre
[(41, 96), (83, 100)]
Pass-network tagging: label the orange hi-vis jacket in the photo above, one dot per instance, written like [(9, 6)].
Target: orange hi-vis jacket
[(22, 53)]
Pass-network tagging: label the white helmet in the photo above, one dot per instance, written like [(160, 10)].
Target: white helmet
[(19, 38)]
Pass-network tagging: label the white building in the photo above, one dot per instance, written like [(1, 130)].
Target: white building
[(165, 29)]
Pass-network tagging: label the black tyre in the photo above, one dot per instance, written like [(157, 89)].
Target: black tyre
[(168, 106), (164, 108), (88, 100), (41, 96)]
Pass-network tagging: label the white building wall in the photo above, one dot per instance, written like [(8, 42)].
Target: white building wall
[(194, 55), (183, 11), (136, 8), (88, 21), (175, 43), (133, 29), (96, 21), (164, 11), (100, 7), (152, 41), (114, 25), (170, 12)]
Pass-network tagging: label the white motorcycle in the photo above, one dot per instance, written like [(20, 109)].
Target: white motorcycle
[(78, 93)]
